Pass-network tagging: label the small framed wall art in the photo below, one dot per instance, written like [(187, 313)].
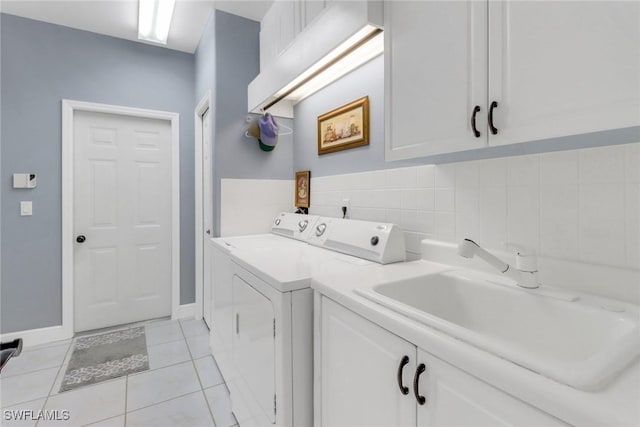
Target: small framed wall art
[(345, 127), (303, 187)]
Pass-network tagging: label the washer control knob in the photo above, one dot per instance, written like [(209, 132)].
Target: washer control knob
[(320, 229), (375, 240), (302, 225), (277, 222)]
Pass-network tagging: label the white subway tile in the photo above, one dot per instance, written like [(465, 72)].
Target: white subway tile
[(559, 168), (523, 212), (493, 216), (418, 221), (467, 227), (378, 179), (445, 226), (633, 162), (393, 199), (425, 176), (493, 172), (444, 199), (445, 175), (522, 170), (559, 221), (602, 164), (467, 200), (394, 216), (602, 226), (409, 199), (466, 174), (394, 178), (425, 199), (369, 214)]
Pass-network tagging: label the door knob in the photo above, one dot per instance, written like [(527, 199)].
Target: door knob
[(80, 239)]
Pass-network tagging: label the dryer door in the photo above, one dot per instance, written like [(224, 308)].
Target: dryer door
[(254, 343)]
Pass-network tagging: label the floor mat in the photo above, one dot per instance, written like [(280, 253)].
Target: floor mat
[(106, 356)]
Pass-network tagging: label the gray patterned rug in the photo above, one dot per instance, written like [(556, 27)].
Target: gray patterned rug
[(103, 357)]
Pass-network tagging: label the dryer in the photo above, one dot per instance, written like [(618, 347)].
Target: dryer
[(288, 230), (269, 370)]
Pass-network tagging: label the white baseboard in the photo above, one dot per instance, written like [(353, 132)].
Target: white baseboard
[(185, 311), (33, 337)]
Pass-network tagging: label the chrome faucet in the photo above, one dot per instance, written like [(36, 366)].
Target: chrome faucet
[(526, 274)]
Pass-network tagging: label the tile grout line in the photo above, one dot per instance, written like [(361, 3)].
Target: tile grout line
[(55, 380), (197, 375)]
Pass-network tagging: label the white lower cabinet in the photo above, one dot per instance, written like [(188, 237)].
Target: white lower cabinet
[(369, 376)]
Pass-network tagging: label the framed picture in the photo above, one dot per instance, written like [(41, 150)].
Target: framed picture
[(345, 127), (303, 186)]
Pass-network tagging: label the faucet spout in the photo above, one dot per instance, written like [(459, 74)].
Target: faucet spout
[(468, 248), (526, 274)]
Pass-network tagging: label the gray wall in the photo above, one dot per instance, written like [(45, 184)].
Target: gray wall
[(41, 65), (227, 59), (369, 80)]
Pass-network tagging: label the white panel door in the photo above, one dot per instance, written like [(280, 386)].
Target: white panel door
[(359, 372), (207, 216), (457, 399), (435, 76), (563, 67), (122, 211)]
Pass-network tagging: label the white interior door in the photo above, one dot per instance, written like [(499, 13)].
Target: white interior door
[(122, 219), (207, 215)]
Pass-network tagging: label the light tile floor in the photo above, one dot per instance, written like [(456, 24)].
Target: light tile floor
[(183, 386)]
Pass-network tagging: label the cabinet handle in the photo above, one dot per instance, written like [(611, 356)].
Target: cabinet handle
[(416, 391), (404, 390), (494, 130), (476, 132), (237, 323)]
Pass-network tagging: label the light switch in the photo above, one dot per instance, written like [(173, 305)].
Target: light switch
[(26, 208)]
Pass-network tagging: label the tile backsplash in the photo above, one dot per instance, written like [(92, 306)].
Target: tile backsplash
[(578, 205)]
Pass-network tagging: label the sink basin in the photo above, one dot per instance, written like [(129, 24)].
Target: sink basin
[(569, 339)]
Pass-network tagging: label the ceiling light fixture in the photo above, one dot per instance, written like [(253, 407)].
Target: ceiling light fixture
[(154, 20), (360, 48)]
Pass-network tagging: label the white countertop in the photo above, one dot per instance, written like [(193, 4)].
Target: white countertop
[(617, 403)]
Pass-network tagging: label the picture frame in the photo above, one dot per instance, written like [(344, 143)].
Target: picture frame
[(303, 189), (344, 128)]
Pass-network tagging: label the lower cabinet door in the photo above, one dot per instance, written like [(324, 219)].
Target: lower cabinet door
[(359, 372), (455, 398), (254, 345)]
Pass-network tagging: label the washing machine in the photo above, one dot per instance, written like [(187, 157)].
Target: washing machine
[(269, 370), (288, 230)]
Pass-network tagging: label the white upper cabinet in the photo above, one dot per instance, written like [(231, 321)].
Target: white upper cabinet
[(530, 70), (277, 30), (560, 68), (436, 74)]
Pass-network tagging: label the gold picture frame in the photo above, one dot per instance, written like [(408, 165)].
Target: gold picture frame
[(344, 128), (303, 189)]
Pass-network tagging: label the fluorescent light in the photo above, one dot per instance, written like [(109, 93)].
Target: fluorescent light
[(348, 63), (154, 20)]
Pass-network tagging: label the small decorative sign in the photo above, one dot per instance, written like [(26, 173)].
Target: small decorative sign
[(303, 186), (345, 127)]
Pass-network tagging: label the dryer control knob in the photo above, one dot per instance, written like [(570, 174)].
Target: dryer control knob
[(375, 240), (320, 229), (302, 225), (277, 222)]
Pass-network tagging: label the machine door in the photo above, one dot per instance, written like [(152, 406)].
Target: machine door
[(254, 343)]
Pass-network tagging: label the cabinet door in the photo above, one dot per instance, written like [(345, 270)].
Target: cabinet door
[(455, 398), (563, 67), (435, 75), (359, 364), (254, 343)]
